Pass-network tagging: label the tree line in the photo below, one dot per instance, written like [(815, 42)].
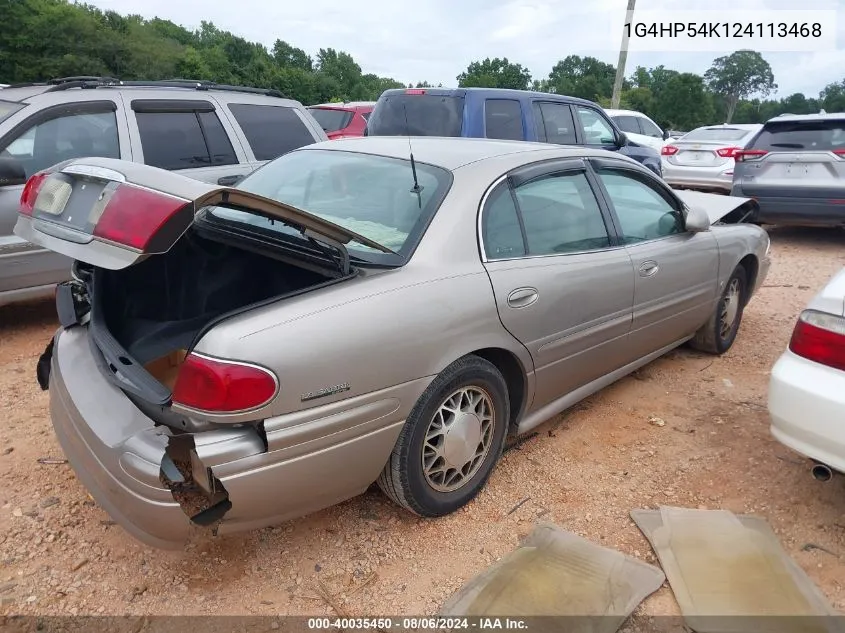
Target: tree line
[(43, 39)]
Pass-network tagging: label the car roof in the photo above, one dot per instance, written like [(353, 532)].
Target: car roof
[(501, 93), (352, 105), (66, 90), (797, 118), (450, 153), (729, 126), (612, 112)]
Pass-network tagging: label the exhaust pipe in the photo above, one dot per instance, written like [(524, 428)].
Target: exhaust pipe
[(821, 472)]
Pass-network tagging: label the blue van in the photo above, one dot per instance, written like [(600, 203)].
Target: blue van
[(518, 115)]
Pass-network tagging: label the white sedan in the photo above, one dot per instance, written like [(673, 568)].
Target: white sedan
[(807, 387)]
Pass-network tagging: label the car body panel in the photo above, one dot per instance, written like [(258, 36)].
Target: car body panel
[(29, 271), (697, 165), (357, 112), (800, 178), (806, 399), (399, 328)]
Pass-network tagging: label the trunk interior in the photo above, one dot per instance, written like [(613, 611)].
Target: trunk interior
[(156, 308)]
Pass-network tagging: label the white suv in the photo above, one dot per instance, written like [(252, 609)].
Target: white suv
[(639, 128)]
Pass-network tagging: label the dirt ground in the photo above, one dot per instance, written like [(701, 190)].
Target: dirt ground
[(585, 470)]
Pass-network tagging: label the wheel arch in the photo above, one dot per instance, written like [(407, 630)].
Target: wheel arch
[(515, 377), (752, 269)]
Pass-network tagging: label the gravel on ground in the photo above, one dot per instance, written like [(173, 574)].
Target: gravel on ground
[(584, 470)]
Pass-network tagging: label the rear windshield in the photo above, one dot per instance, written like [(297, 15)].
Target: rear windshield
[(8, 108), (804, 135), (417, 115), (716, 134), (370, 195), (331, 120)]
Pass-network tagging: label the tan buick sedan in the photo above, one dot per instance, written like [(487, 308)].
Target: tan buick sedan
[(377, 309)]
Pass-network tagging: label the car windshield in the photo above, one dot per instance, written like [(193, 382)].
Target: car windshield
[(8, 108), (716, 134), (804, 135), (331, 119), (417, 115), (367, 194)]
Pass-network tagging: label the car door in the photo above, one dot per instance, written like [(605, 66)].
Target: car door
[(553, 123), (676, 271), (651, 134), (595, 129), (188, 137), (91, 126), (563, 285)]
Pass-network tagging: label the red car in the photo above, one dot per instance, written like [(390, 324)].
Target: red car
[(342, 120)]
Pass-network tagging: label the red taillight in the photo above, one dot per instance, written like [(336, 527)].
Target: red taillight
[(820, 337), (414, 91), (222, 386), (728, 152), (133, 215), (30, 192), (839, 152), (745, 155), (668, 150)]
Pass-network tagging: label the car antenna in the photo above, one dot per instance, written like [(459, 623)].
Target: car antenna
[(416, 188)]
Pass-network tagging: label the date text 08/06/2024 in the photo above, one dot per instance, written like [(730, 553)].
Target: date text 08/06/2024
[(421, 623)]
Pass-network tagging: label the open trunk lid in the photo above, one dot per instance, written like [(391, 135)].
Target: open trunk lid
[(112, 213)]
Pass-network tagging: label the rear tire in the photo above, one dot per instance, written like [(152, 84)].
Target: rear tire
[(719, 333), (451, 441)]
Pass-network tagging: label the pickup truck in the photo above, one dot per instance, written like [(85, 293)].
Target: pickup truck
[(519, 115)]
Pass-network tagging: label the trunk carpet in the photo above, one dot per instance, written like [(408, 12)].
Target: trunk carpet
[(557, 573), (723, 569)]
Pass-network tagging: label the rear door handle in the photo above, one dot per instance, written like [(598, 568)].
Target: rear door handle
[(649, 269), (228, 181), (522, 297)]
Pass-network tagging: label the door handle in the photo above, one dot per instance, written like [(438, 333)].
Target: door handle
[(229, 181), (649, 269), (522, 297)]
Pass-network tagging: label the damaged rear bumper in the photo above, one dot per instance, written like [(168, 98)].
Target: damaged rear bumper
[(306, 461), (115, 450)]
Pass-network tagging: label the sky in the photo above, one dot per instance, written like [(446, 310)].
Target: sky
[(435, 40)]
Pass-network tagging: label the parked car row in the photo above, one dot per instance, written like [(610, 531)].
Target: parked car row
[(793, 165)]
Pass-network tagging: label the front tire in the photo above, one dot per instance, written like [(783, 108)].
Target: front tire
[(451, 441), (719, 333)]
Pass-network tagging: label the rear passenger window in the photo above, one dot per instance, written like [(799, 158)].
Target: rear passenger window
[(561, 215), (558, 125), (271, 130), (500, 228), (184, 140), (503, 119), (628, 124)]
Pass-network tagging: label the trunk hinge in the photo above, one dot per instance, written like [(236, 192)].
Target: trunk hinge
[(330, 246)]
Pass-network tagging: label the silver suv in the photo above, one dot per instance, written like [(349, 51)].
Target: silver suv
[(795, 168), (211, 132)]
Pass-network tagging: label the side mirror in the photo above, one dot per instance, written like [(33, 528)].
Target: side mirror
[(665, 135), (622, 139), (697, 220), (11, 172)]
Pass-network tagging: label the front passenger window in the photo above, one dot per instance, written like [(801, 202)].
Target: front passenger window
[(597, 130), (644, 213)]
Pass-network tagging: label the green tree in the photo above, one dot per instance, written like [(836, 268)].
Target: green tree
[(495, 73), (584, 77), (832, 97), (738, 76), (288, 56)]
